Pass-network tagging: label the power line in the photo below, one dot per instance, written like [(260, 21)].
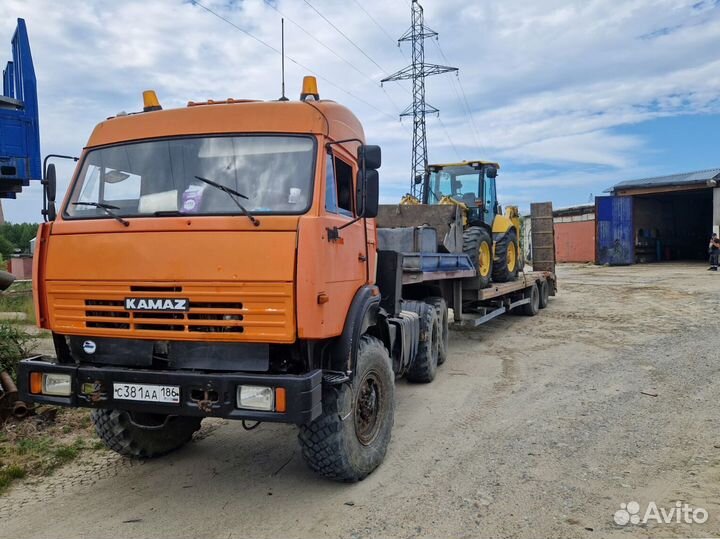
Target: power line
[(306, 68), (344, 35), (348, 62), (396, 43), (447, 134), (463, 101), (311, 36), (358, 4), (361, 50)]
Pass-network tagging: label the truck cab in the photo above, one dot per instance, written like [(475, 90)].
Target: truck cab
[(213, 260)]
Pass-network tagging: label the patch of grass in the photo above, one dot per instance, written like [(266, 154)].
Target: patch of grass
[(41, 444), (8, 474), (15, 344), (18, 299)]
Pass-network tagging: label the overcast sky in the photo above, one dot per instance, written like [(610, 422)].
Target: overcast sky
[(569, 96)]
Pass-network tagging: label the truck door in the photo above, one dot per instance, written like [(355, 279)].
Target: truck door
[(345, 264), (615, 232)]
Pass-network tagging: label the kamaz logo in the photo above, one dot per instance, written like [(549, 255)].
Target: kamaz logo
[(156, 304)]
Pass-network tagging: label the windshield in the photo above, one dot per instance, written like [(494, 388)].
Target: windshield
[(459, 184), (151, 178)]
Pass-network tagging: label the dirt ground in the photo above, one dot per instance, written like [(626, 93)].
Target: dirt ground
[(535, 427)]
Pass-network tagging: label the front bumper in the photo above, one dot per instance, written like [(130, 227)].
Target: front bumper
[(303, 392)]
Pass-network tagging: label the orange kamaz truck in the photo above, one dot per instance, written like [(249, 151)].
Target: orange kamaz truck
[(224, 260)]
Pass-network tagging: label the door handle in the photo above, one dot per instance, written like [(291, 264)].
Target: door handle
[(362, 257)]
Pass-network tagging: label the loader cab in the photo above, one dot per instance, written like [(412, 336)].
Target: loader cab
[(470, 184)]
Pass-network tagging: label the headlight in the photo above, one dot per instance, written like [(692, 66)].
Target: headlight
[(58, 385), (256, 398)]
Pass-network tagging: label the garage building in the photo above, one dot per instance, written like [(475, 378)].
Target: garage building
[(659, 219)]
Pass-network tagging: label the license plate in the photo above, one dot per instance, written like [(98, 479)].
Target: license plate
[(146, 393)]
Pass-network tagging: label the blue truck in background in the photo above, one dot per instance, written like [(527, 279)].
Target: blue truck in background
[(20, 160)]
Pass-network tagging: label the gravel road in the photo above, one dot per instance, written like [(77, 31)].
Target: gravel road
[(535, 427)]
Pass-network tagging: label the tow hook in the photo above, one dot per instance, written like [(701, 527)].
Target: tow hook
[(204, 399)]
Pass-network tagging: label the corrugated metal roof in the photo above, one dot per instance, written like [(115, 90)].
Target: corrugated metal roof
[(700, 176)]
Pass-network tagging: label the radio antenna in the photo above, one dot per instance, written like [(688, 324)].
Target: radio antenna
[(282, 41)]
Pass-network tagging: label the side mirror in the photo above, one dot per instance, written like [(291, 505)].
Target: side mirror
[(491, 172), (372, 155), (50, 188), (51, 183), (368, 193)]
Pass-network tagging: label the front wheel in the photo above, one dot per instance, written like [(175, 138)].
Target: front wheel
[(505, 265), (137, 435), (349, 440), (477, 244)]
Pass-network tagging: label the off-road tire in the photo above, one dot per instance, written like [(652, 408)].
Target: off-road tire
[(331, 445), (123, 433), (424, 367), (544, 294), (442, 311), (500, 271), (532, 308), (473, 238)]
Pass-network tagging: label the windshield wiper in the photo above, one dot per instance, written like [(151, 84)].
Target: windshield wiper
[(107, 208), (234, 195)]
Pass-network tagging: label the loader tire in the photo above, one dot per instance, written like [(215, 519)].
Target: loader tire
[(442, 311), (424, 366), (505, 264), (349, 440), (477, 244), (143, 436)]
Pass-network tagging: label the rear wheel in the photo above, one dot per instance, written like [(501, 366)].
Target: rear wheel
[(424, 366), (532, 308), (442, 311), (477, 244), (544, 293), (139, 435), (349, 440), (505, 264)]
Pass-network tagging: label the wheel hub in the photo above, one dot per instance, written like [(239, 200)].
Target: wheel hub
[(367, 408)]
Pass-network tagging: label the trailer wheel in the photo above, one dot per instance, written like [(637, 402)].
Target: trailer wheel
[(532, 308), (143, 436), (505, 265), (544, 293), (424, 366), (477, 244), (442, 311), (349, 440)]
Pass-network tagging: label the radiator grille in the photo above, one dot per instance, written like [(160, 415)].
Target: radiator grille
[(249, 312)]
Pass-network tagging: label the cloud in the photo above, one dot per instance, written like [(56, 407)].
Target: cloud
[(547, 82)]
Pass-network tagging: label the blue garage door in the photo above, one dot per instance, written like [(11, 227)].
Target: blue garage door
[(615, 232)]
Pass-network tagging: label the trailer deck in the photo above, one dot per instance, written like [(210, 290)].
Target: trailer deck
[(499, 298)]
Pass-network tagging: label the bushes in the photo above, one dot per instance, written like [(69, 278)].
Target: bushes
[(15, 344)]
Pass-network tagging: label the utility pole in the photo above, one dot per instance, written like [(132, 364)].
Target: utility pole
[(417, 71)]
